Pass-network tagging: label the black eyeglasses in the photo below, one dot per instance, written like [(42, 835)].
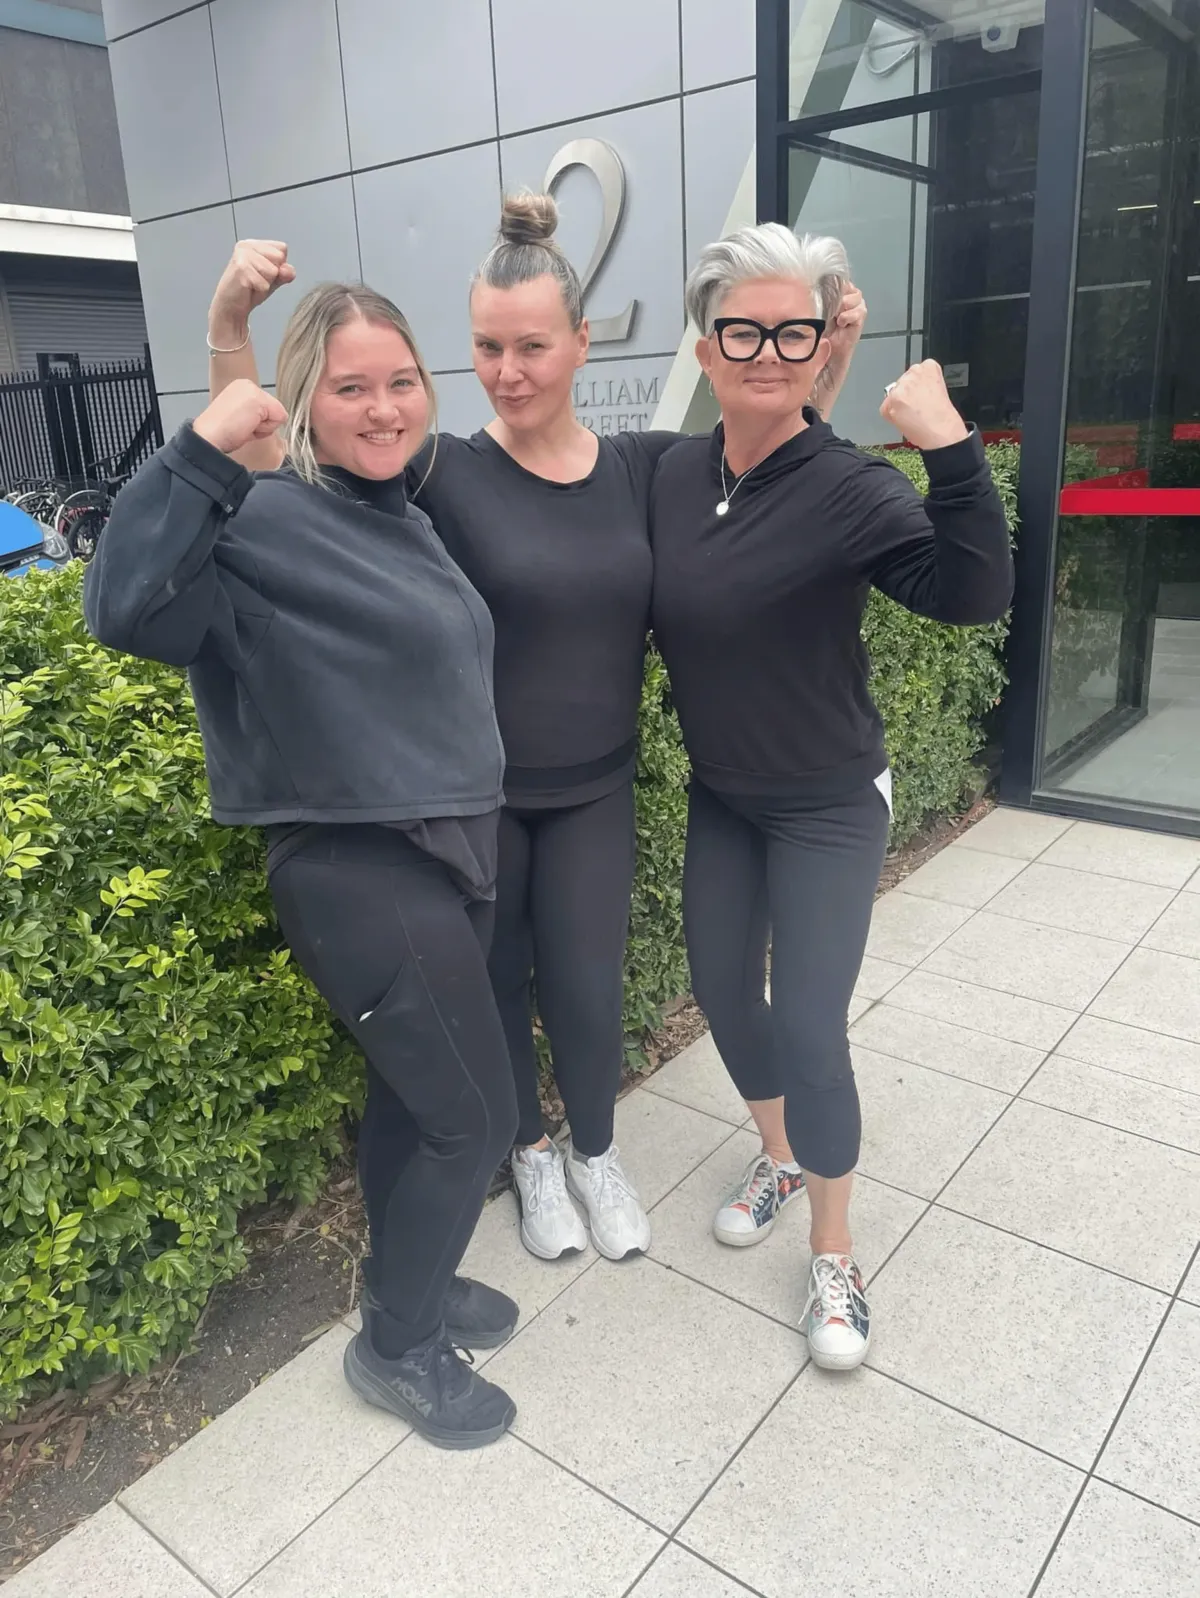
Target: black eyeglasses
[(742, 340)]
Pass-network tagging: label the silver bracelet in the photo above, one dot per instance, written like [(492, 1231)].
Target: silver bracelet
[(213, 350)]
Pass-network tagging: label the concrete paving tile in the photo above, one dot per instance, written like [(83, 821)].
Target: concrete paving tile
[(859, 1005), (938, 1504), (905, 929), (500, 1521), (878, 977), (992, 1062), (109, 1556), (1155, 857), (1173, 1062), (1190, 1291), (1031, 961), (965, 1004), (661, 1141), (678, 1574), (1055, 1379), (697, 1077), (1155, 1450), (962, 876), (1144, 1108), (1021, 834), (1118, 1547), (1160, 992), (771, 1277), (237, 1492), (1103, 1196), (497, 1256), (918, 1125), (1177, 930), (1080, 901), (651, 1387)]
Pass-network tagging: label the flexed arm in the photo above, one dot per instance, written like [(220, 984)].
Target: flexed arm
[(256, 269)]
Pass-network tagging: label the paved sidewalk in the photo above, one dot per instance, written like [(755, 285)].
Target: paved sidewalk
[(1027, 1043)]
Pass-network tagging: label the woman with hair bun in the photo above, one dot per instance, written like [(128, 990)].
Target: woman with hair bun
[(549, 521)]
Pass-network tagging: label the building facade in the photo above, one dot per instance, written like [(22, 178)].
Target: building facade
[(68, 275), (1016, 183)]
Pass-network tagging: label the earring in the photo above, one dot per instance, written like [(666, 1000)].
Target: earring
[(711, 389)]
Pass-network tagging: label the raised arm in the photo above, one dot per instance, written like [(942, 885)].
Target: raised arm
[(844, 332), (151, 588), (256, 269), (947, 556)]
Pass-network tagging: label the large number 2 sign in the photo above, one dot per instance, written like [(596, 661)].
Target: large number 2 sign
[(603, 162)]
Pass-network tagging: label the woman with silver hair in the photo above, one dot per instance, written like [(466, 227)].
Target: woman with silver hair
[(768, 536)]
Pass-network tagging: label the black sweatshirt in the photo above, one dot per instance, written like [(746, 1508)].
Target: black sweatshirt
[(339, 660), (565, 570), (758, 612)]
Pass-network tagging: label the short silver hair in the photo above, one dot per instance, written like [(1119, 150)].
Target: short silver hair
[(768, 250)]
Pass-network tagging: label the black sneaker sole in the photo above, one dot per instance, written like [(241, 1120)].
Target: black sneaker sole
[(375, 1391)]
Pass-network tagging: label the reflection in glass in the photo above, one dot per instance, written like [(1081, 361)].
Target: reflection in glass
[(1122, 713)]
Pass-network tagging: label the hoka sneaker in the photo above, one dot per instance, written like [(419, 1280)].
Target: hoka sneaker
[(618, 1223), (476, 1316), (836, 1319), (434, 1389), (755, 1204), (550, 1224)]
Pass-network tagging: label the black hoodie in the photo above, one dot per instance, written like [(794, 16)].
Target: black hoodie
[(758, 612)]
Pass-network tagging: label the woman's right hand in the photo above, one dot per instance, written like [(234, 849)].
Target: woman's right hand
[(256, 269), (241, 414)]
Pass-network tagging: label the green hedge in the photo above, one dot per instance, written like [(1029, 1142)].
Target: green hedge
[(162, 1064)]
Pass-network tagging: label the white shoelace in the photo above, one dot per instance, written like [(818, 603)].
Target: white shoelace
[(549, 1185), (608, 1181), (832, 1294), (759, 1174)]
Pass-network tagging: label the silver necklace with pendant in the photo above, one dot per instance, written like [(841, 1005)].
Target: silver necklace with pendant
[(728, 493)]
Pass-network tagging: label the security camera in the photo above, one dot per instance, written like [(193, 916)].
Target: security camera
[(996, 36)]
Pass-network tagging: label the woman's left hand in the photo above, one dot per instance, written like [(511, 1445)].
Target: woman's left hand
[(918, 405), (844, 331)]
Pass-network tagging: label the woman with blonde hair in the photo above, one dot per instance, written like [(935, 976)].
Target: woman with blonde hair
[(768, 536), (341, 666), (550, 523)]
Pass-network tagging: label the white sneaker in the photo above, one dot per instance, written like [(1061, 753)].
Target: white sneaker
[(618, 1223), (550, 1224), (836, 1319), (755, 1204)]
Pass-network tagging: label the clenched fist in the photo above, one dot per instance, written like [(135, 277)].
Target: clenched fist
[(238, 416), (256, 269), (919, 406)]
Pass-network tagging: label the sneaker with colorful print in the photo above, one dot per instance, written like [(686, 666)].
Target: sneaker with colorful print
[(755, 1204), (836, 1318)]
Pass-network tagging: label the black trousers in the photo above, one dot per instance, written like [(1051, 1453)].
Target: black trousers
[(562, 916), (400, 954), (803, 877)]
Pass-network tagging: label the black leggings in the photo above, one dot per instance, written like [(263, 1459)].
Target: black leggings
[(399, 953), (804, 876), (562, 917)]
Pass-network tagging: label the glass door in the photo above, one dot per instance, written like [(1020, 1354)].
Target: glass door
[(911, 135), (1120, 722)]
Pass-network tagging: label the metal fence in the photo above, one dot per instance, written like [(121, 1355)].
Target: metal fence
[(76, 422)]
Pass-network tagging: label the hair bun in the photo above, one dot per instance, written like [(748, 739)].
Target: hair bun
[(528, 218)]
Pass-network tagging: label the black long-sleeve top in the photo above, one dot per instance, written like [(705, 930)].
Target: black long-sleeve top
[(340, 662), (565, 570), (758, 612)]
